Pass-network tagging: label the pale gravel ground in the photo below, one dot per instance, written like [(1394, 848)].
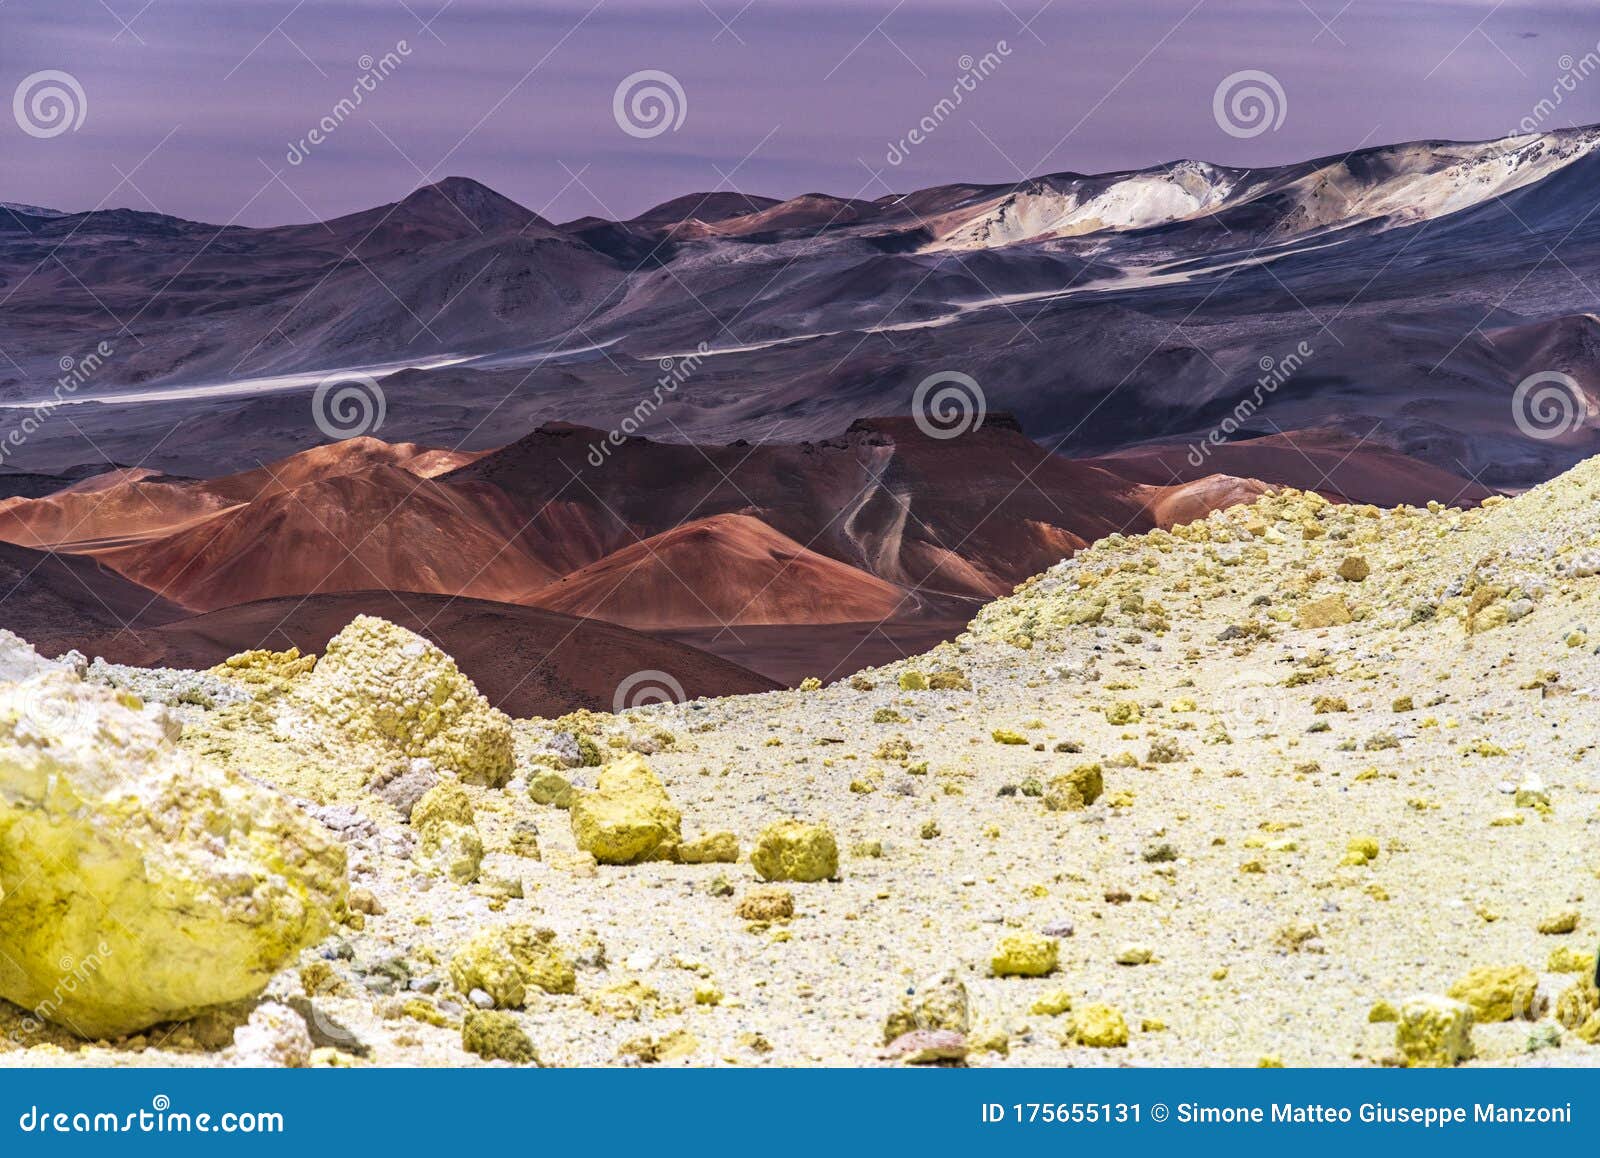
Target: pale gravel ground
[(821, 996)]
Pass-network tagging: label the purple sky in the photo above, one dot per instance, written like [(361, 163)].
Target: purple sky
[(196, 103)]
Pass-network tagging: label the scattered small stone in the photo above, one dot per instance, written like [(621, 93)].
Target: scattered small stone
[(1025, 955), (938, 1002), (795, 850), (1100, 1026), (1559, 923), (1434, 1031), (1543, 1035), (713, 848), (1052, 1004), (1354, 569), (923, 1047), (1075, 790), (1498, 993), (769, 903), (1135, 954), (495, 1035)]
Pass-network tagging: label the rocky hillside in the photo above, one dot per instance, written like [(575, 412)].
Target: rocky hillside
[(1299, 784)]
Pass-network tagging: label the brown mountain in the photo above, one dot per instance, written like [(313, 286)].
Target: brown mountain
[(722, 570)]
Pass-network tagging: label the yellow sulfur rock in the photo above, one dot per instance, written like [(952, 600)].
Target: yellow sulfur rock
[(1434, 1031), (1052, 1004), (140, 886), (628, 818), (1578, 1003), (496, 1036), (1360, 850), (1589, 1031), (550, 788), (713, 848), (505, 963), (446, 802), (1025, 955), (1076, 789), (950, 680), (387, 688), (1498, 993), (449, 843), (1331, 611), (1560, 922), (1100, 1026), (1566, 959), (937, 1002), (1354, 569), (795, 850), (263, 670), (1124, 712), (768, 903)]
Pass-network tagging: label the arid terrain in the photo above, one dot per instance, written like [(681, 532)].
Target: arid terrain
[(1143, 618), (1299, 783)]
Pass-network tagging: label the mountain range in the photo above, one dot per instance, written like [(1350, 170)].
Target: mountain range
[(712, 421)]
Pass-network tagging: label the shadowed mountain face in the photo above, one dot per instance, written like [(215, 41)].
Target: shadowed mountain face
[(1395, 297), (55, 600)]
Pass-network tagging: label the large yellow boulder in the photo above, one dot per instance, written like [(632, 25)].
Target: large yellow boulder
[(629, 817), (1498, 993), (796, 850), (1434, 1031), (382, 687), (138, 885)]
